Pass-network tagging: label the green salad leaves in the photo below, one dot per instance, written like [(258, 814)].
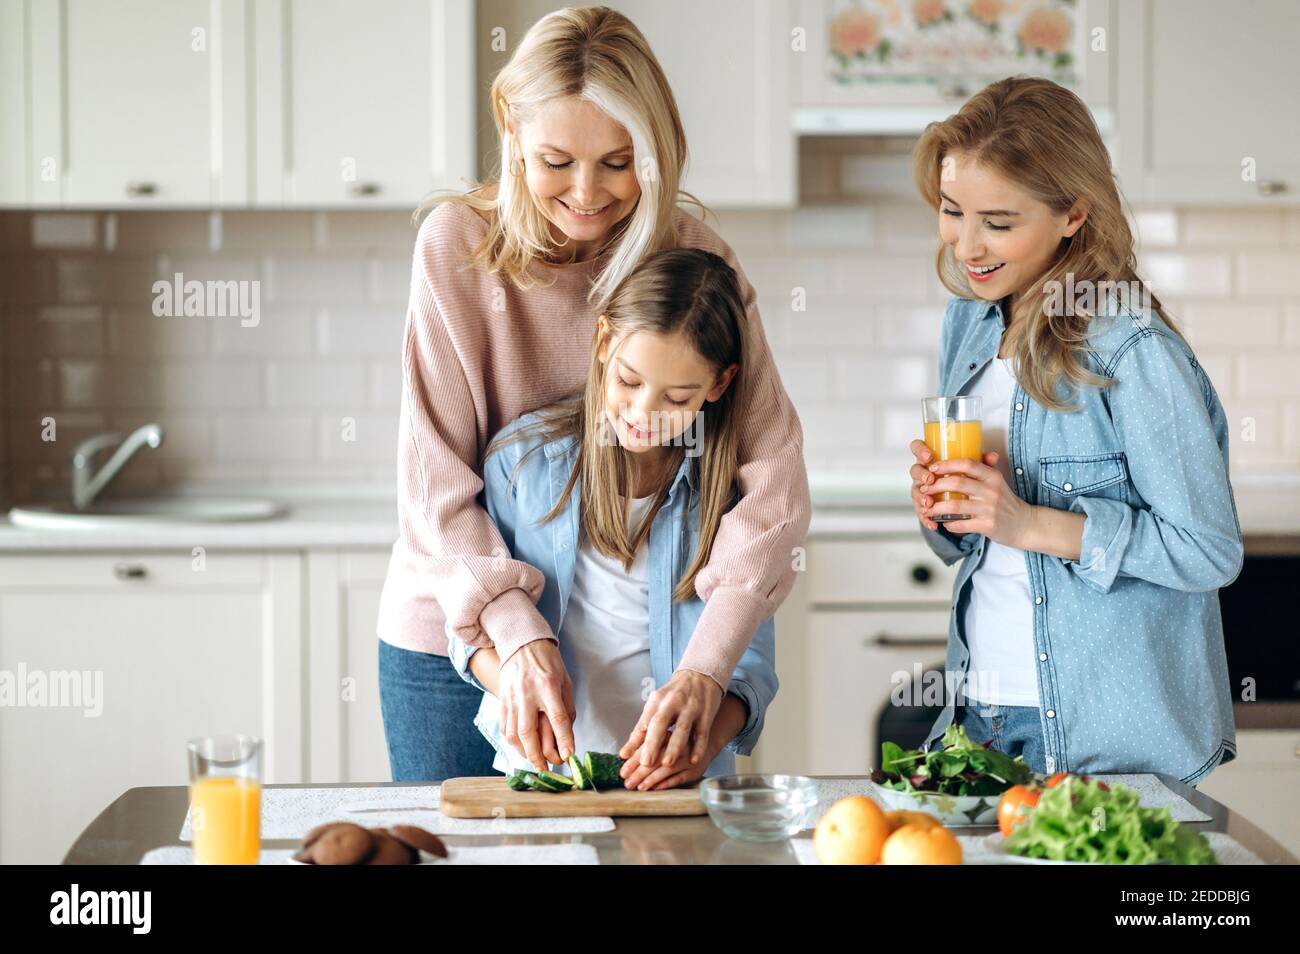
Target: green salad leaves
[(960, 767), (1078, 820)]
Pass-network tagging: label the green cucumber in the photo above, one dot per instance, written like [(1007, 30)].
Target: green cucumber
[(603, 769), (561, 783), (580, 780), (518, 782)]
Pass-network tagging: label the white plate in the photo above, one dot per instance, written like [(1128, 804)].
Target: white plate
[(995, 844), (955, 811)]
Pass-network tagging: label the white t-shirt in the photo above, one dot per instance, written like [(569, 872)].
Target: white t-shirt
[(1000, 612), (605, 645)]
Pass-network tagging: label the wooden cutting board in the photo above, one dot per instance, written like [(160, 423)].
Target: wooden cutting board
[(490, 798)]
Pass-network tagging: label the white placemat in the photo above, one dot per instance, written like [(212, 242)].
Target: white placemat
[(565, 854), (289, 813), (976, 850), (1152, 793)]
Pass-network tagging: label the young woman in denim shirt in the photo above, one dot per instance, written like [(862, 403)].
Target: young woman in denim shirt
[(616, 495), (1085, 632)]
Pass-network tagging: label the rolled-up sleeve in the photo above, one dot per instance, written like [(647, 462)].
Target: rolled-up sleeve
[(948, 547), (1188, 536), (755, 683)]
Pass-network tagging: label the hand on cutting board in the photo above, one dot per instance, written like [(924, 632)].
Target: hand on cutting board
[(641, 774), (688, 704), (537, 710)]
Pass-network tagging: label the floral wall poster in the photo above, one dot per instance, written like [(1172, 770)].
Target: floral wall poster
[(951, 42)]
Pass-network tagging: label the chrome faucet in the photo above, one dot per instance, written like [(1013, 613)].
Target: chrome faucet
[(85, 487)]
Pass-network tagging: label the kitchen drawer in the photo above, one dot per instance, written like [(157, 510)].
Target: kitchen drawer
[(132, 568), (877, 570)]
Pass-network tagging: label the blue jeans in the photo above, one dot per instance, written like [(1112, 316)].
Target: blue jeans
[(1015, 730), (429, 714)]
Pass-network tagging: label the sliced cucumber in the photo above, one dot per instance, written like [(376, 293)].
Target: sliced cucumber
[(518, 782), (579, 776), (559, 783)]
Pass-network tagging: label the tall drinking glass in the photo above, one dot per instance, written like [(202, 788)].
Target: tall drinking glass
[(953, 430), (226, 799)]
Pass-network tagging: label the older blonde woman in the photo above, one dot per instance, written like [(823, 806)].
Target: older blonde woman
[(508, 282)]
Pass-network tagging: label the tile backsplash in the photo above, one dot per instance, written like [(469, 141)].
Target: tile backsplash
[(309, 394)]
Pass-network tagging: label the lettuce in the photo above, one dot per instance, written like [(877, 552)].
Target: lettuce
[(1078, 820)]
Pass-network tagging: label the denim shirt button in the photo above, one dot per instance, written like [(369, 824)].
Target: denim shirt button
[(1038, 600), (1019, 406), (1019, 471), (1051, 713), (1042, 657)]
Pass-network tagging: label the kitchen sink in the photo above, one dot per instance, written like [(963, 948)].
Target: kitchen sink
[(145, 511)]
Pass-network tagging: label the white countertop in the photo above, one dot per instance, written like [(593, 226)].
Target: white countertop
[(848, 505)]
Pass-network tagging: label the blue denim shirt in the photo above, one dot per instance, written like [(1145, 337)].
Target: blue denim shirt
[(517, 507), (1128, 639)]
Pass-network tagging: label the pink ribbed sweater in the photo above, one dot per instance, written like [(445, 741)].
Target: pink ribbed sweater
[(478, 353)]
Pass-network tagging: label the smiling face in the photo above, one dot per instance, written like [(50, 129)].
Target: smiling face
[(579, 170), (655, 387), (1003, 237)]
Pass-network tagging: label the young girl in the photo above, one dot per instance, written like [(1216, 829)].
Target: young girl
[(1101, 522), (616, 495)]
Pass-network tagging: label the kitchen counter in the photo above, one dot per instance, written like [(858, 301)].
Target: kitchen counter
[(142, 819), (1269, 509)]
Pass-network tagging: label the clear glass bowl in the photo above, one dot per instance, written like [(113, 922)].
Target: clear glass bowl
[(759, 807)]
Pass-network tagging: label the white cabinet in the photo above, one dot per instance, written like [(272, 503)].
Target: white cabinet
[(347, 729), (363, 104), (231, 103), (729, 63), (870, 613), (1261, 782), (1208, 101), (133, 103), (139, 652)]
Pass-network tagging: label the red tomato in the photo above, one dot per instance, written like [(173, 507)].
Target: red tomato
[(1014, 802)]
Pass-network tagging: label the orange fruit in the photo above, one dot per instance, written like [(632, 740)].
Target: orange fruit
[(851, 832), (897, 819), (914, 845)]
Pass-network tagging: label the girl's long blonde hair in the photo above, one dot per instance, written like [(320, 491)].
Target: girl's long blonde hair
[(687, 291), (1041, 137), (596, 54)]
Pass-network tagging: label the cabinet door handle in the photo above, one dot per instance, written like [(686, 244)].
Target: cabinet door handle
[(137, 190), (364, 189), (924, 642), (130, 571), (922, 574), (1271, 187)]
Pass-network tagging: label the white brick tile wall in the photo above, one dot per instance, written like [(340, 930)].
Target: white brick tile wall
[(267, 402)]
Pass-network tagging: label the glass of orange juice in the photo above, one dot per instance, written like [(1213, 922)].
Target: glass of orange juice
[(226, 799), (953, 430)]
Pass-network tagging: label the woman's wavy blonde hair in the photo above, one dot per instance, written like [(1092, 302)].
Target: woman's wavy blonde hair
[(1041, 137), (596, 54)]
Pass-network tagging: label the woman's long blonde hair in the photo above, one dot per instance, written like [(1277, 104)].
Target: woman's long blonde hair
[(596, 54), (1041, 137), (687, 291)]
